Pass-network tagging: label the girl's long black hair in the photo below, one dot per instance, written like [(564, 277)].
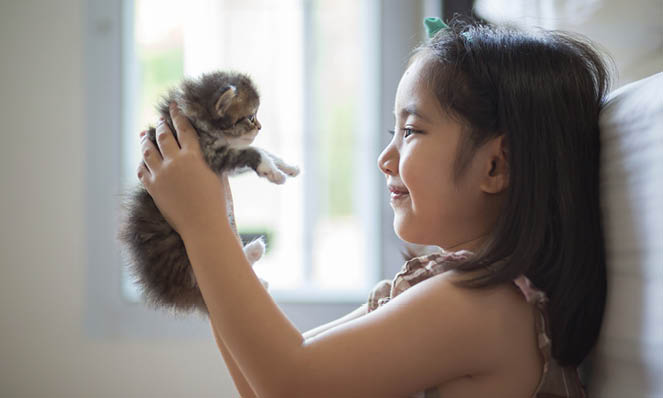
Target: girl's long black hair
[(543, 90)]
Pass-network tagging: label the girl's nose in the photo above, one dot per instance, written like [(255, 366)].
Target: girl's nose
[(387, 161)]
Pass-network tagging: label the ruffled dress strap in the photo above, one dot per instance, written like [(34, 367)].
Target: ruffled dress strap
[(413, 271), (556, 381)]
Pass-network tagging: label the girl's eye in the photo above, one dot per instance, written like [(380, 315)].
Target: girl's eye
[(406, 131)]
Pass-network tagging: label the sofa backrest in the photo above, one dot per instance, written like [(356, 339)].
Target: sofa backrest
[(628, 359)]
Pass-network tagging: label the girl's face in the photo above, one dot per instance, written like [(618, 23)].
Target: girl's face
[(419, 161)]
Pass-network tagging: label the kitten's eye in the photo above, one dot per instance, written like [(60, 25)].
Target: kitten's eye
[(250, 119)]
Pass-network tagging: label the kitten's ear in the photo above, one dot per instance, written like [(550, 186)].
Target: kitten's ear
[(225, 99)]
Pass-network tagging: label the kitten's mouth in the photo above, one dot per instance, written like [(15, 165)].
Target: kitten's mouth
[(250, 137)]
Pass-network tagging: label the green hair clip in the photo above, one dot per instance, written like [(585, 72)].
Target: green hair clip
[(435, 24)]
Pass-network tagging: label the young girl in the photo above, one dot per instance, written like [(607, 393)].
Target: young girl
[(495, 159)]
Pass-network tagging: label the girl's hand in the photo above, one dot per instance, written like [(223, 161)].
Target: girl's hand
[(188, 193)]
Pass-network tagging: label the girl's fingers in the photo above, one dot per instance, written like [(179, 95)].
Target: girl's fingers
[(186, 134), (166, 141), (142, 172), (151, 155)]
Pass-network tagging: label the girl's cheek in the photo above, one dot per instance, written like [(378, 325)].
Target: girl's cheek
[(408, 169)]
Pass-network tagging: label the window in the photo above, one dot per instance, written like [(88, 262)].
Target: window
[(308, 69), (330, 126)]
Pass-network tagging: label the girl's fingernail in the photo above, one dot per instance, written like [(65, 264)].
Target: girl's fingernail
[(162, 118), (142, 133)]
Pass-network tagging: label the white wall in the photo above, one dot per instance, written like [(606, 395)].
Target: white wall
[(44, 351)]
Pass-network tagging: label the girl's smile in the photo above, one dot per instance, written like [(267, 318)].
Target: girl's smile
[(398, 192)]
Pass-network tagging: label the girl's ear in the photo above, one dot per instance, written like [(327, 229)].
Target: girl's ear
[(495, 175)]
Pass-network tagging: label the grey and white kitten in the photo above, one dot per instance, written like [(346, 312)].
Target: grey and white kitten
[(222, 107)]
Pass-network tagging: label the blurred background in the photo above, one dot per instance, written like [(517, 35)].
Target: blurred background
[(79, 81)]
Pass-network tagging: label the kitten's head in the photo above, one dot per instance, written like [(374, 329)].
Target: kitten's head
[(222, 104)]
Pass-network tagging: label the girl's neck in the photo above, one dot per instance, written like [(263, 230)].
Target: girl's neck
[(470, 245)]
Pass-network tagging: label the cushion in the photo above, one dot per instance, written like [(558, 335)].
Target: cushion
[(628, 358)]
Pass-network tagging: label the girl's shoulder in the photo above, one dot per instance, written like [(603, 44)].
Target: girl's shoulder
[(510, 325), (503, 319), (506, 304)]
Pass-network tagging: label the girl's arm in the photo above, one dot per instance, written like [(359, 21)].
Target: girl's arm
[(241, 383), (402, 345), (243, 386), (361, 311)]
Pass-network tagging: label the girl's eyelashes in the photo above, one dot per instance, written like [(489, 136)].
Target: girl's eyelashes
[(410, 131), (407, 131)]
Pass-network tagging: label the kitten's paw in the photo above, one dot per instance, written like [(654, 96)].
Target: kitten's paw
[(272, 174), (265, 284), (292, 171), (283, 166), (254, 250)]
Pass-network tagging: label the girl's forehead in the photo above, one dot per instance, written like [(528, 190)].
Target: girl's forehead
[(415, 94)]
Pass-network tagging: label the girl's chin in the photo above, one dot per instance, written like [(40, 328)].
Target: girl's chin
[(403, 230)]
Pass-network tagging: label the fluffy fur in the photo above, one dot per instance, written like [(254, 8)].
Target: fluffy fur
[(222, 107)]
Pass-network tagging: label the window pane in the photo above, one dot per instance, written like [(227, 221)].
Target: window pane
[(267, 40), (338, 256)]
